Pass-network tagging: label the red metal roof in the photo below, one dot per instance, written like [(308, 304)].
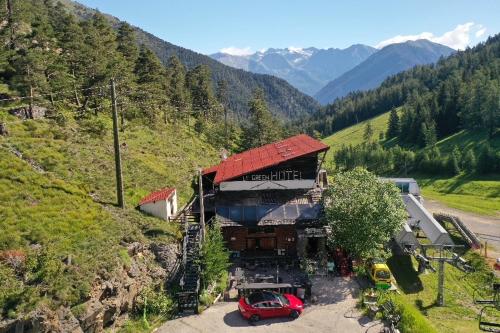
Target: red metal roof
[(163, 194), (264, 157)]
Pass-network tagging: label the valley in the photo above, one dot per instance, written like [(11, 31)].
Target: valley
[(255, 184)]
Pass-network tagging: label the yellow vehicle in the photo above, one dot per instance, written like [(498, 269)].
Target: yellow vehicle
[(380, 274)]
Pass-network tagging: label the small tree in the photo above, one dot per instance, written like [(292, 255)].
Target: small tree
[(367, 135), (394, 125), (469, 161), (363, 212), (214, 256)]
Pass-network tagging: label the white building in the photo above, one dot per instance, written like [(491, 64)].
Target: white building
[(162, 203)]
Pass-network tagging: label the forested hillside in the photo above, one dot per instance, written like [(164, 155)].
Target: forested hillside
[(459, 92), (284, 100), (388, 61), (63, 236)]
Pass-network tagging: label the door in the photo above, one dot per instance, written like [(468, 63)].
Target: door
[(267, 243), (278, 310), (251, 243)]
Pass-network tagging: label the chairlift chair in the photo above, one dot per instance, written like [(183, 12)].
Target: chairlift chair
[(493, 304), (486, 325)]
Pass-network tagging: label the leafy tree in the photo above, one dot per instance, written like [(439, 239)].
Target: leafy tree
[(362, 212), (263, 128), (214, 255)]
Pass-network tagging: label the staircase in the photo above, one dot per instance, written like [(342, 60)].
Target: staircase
[(190, 281)]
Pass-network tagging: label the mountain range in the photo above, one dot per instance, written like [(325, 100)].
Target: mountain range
[(331, 73), (389, 60), (284, 100), (307, 69)]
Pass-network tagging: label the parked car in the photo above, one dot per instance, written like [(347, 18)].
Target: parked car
[(380, 274), (266, 304)]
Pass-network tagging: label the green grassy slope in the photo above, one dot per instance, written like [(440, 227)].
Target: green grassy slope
[(353, 135), (459, 313), (69, 209), (477, 194)]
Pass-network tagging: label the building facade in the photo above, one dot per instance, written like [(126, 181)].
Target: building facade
[(161, 203), (268, 199)]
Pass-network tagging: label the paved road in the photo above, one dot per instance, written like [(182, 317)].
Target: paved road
[(333, 311), (485, 227)]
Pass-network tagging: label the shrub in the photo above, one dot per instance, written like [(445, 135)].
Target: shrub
[(155, 302), (214, 256), (94, 126)]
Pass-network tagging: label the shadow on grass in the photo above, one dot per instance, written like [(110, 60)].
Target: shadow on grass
[(420, 305), (407, 278), (156, 232)]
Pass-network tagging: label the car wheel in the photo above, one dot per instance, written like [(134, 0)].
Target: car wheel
[(294, 314), (254, 318)]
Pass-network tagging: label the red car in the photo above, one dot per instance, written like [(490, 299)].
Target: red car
[(266, 304)]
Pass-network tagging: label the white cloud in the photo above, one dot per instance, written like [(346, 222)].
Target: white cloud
[(480, 32), (237, 51), (458, 38)]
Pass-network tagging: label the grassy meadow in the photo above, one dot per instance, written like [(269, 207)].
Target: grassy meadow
[(68, 210), (472, 193)]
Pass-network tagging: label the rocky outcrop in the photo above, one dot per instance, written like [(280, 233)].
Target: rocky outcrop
[(36, 112), (110, 300)]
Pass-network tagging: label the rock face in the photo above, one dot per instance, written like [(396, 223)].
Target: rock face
[(36, 112), (109, 302)]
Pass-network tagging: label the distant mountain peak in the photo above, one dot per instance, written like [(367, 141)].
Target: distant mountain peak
[(388, 61), (308, 69)]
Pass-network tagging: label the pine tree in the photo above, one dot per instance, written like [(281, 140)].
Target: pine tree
[(428, 134), (394, 126), (176, 77), (263, 127), (368, 133), (469, 161), (202, 92), (151, 79)]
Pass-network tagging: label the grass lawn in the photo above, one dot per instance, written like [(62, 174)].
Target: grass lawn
[(480, 195)]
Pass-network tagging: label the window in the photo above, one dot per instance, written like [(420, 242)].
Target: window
[(382, 274)]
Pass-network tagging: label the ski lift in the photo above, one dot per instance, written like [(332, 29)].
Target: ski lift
[(486, 325), (490, 304)]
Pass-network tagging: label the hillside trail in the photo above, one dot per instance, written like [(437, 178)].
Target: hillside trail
[(487, 228)]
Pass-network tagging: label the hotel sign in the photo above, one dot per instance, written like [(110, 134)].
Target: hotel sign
[(278, 175)]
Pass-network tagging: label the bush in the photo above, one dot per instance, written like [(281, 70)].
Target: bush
[(155, 302), (214, 256), (94, 126)]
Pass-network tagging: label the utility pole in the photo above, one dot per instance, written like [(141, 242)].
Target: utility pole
[(440, 296), (202, 207), (118, 160)]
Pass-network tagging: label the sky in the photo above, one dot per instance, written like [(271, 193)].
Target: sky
[(247, 26)]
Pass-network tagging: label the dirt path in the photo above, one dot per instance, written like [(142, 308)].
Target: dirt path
[(333, 311), (485, 227)]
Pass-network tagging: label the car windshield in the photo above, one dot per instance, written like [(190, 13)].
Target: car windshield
[(266, 296), (283, 299), (383, 274)]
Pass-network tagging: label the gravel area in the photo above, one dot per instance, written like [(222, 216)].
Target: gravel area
[(333, 311)]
